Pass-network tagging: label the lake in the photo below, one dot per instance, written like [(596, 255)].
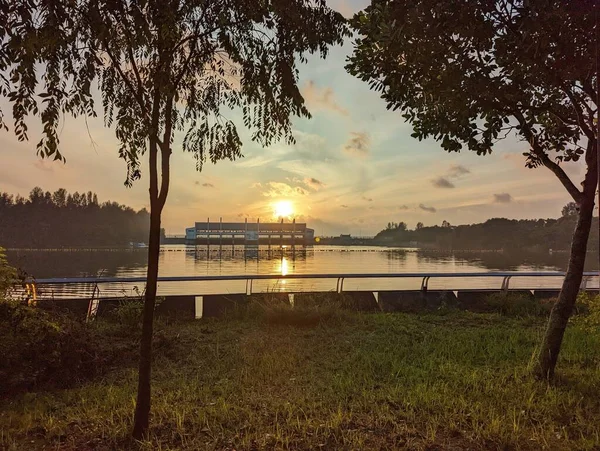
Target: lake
[(203, 261)]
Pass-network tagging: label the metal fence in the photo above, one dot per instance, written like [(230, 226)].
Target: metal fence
[(67, 287)]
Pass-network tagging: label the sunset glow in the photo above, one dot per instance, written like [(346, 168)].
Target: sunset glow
[(283, 209)]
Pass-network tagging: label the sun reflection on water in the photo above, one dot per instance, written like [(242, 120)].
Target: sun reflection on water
[(284, 267)]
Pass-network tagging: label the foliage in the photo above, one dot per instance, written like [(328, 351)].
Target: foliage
[(469, 76), (8, 274), (162, 67), (378, 381), (62, 219), (589, 304), (39, 348), (570, 210), (396, 226), (128, 313)]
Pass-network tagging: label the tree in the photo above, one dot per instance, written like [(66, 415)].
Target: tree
[(446, 224), (570, 210), (470, 73), (419, 226), (55, 223), (162, 67), (8, 275)]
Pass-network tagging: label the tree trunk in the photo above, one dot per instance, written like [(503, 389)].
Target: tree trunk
[(142, 408), (561, 312)]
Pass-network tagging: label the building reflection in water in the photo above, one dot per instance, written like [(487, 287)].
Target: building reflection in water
[(203, 253)]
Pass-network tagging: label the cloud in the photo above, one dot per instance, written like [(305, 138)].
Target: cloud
[(427, 209), (313, 183), (358, 145), (280, 189), (368, 199), (503, 198), (344, 206), (458, 170), (321, 98), (256, 185), (403, 207), (442, 182)]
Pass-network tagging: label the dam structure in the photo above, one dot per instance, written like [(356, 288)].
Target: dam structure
[(249, 233)]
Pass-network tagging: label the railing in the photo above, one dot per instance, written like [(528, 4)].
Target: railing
[(505, 276)]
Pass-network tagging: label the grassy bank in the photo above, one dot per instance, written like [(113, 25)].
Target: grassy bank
[(319, 379)]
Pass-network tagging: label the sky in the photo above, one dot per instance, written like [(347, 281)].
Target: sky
[(353, 169)]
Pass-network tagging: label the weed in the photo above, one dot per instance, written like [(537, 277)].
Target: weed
[(129, 313), (517, 304)]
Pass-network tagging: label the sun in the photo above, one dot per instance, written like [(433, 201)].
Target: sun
[(283, 209)]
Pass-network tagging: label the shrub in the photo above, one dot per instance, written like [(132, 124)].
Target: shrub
[(129, 313), (38, 348), (588, 310)]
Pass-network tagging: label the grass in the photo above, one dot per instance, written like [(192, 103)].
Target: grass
[(277, 378)]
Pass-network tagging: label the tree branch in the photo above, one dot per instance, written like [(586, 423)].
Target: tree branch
[(546, 161), (581, 122), (127, 35), (153, 149), (165, 153), (126, 80)]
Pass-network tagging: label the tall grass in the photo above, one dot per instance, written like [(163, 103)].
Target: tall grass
[(267, 378)]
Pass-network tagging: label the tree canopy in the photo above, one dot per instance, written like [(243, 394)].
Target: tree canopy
[(161, 67), (471, 72)]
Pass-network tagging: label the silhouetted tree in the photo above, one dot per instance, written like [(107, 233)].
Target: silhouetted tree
[(570, 210), (162, 68), (49, 221), (493, 234), (419, 225), (470, 73)]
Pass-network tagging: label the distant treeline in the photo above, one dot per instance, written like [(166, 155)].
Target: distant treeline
[(62, 219), (497, 233)]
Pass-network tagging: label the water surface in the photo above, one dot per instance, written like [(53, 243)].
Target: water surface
[(203, 261)]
